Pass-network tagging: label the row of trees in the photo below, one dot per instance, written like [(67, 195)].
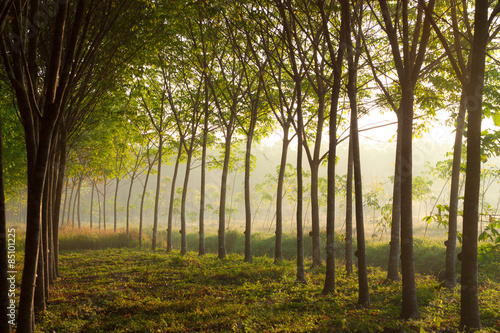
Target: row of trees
[(175, 79)]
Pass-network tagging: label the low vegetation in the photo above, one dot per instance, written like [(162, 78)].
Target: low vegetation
[(122, 288)]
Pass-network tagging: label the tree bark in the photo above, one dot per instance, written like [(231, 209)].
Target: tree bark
[(348, 211), (393, 268), (223, 187), (115, 217), (469, 310), (364, 293), (79, 192), (409, 305), (278, 253), (451, 242), (201, 240), (141, 210), (329, 286), (184, 197), (157, 194), (172, 197), (248, 211)]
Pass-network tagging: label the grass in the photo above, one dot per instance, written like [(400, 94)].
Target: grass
[(135, 290), (108, 284)]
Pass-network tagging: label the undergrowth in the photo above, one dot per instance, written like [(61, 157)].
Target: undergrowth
[(136, 290)]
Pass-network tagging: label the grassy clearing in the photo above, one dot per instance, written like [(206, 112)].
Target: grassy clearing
[(134, 290), (108, 284)]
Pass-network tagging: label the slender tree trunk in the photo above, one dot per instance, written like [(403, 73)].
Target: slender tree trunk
[(409, 293), (99, 205), (469, 311), (45, 226), (115, 217), (58, 197), (141, 210), (75, 200), (451, 243), (91, 203), (157, 195), (278, 254), (248, 209), (39, 297), (184, 199), (314, 164), (201, 240), (316, 239), (348, 210), (364, 293), (70, 199), (132, 178), (393, 268), (300, 233), (172, 197), (65, 200), (79, 200), (223, 190), (329, 286), (104, 203)]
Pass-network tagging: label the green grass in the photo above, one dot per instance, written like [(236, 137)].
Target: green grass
[(136, 290), (108, 284)]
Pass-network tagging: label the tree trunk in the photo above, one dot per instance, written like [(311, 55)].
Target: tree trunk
[(70, 199), (63, 213), (278, 254), (79, 200), (141, 210), (248, 212), (451, 243), (114, 204), (36, 178), (132, 178), (58, 197), (172, 197), (314, 164), (157, 195), (91, 203), (469, 311), (39, 298), (348, 210), (316, 240), (104, 203), (223, 189), (184, 199), (329, 286), (364, 293), (300, 234), (409, 293), (201, 240), (99, 205), (45, 227), (393, 268)]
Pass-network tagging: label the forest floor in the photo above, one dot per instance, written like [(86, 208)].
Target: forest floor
[(137, 290)]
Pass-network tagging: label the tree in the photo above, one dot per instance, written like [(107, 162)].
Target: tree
[(353, 54), (185, 106), (408, 65), (55, 48), (469, 310), (288, 23), (337, 60)]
